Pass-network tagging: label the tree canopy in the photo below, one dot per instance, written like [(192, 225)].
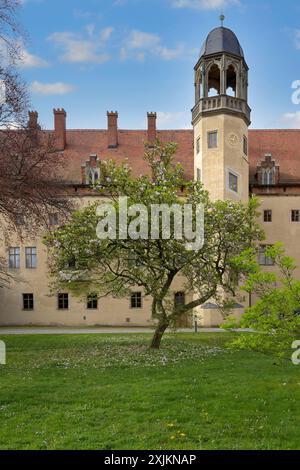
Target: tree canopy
[(117, 266)]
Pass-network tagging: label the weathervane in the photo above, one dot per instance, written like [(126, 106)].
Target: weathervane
[(222, 18)]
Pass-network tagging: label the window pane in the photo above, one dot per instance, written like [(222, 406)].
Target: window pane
[(198, 174), (268, 216), (198, 145), (233, 182), (212, 140), (92, 302), (263, 259), (295, 216), (179, 298), (28, 302), (245, 145), (136, 300), (63, 301), (53, 219), (14, 258), (31, 258)]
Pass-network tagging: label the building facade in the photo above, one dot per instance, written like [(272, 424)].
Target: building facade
[(232, 161)]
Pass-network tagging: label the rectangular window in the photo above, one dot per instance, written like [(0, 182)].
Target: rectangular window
[(245, 145), (233, 182), (63, 301), (53, 220), (267, 216), (28, 302), (92, 302), (295, 216), (179, 299), (30, 257), (198, 145), (20, 219), (136, 300), (213, 140), (14, 258), (198, 174), (263, 259)]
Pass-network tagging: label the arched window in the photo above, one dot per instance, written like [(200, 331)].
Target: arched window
[(231, 81), (214, 81), (268, 176), (94, 175)]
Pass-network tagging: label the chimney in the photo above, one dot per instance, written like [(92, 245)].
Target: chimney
[(33, 120), (152, 128), (60, 116), (112, 122), (112, 125)]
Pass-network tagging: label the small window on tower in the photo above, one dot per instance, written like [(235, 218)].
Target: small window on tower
[(198, 145), (233, 182), (198, 174), (213, 140), (245, 145)]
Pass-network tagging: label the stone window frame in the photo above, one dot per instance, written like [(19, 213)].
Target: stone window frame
[(268, 215), (136, 301), (28, 302), (212, 133)]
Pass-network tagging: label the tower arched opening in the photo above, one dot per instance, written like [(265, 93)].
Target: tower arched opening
[(214, 81), (231, 88)]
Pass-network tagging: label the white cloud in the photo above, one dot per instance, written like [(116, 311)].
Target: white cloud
[(106, 33), (139, 43), (297, 38), (141, 40), (203, 4), (58, 88), (77, 49), (292, 119), (28, 60)]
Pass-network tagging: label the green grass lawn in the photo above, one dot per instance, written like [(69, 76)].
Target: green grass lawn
[(109, 392)]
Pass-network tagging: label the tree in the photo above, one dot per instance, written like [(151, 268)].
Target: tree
[(275, 317), (31, 170), (116, 266)]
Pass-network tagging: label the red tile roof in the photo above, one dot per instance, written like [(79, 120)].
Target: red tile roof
[(82, 143), (284, 145)]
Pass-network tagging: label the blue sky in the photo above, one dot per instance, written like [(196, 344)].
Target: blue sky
[(134, 56)]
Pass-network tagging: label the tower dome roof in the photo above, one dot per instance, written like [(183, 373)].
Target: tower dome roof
[(221, 40)]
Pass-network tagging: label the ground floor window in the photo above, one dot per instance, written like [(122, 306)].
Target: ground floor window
[(263, 259), (136, 300), (179, 299), (63, 301), (28, 302), (92, 302)]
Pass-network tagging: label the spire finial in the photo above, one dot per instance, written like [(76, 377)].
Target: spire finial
[(222, 18)]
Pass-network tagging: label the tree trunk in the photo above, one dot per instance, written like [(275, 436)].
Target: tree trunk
[(159, 332)]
